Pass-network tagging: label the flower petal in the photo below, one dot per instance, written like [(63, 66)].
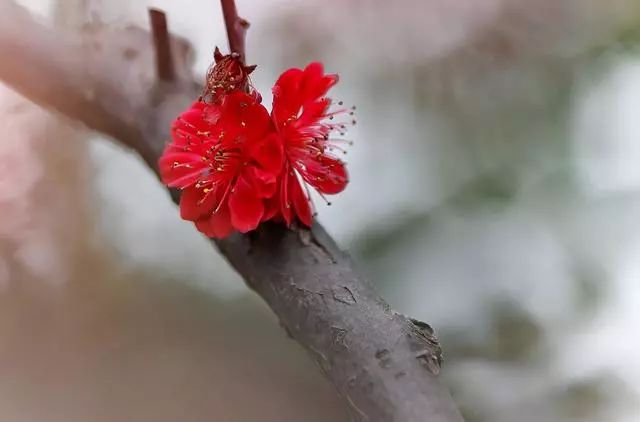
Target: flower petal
[(286, 96), (195, 203), (263, 182), (301, 202), (326, 174), (191, 121), (180, 169), (268, 153), (315, 83), (272, 209), (286, 208), (217, 225), (244, 117), (245, 206), (314, 111)]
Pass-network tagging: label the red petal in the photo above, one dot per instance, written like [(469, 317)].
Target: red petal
[(312, 73), (245, 206), (194, 203), (286, 210), (313, 111), (311, 77), (315, 83), (272, 209), (326, 174), (269, 153), (199, 105), (286, 96), (257, 121), (289, 81), (301, 203), (180, 169), (324, 85), (243, 117), (263, 182), (218, 225), (296, 89), (191, 120), (211, 114)]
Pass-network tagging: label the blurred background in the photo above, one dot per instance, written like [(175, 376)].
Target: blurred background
[(495, 194)]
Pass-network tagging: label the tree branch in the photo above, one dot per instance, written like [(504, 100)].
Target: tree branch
[(162, 44), (236, 28), (383, 364)]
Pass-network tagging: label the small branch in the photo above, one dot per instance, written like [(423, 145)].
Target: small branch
[(236, 28), (384, 365), (162, 45)]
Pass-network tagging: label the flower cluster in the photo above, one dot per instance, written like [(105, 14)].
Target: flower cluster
[(239, 165)]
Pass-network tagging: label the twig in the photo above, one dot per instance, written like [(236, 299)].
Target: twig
[(162, 44), (236, 28), (373, 356)]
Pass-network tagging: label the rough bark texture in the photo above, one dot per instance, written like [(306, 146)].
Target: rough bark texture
[(384, 364)]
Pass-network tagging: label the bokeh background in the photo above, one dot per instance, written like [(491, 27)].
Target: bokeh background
[(495, 193)]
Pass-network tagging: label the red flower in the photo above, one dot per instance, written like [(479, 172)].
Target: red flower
[(305, 124), (238, 166), (227, 75), (226, 159)]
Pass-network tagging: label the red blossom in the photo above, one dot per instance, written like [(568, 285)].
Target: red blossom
[(227, 75), (302, 116), (238, 166), (226, 159)]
